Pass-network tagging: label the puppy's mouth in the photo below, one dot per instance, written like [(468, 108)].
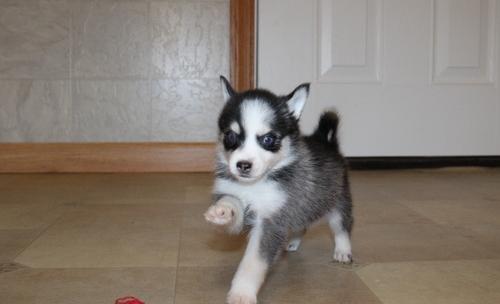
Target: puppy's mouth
[(246, 177)]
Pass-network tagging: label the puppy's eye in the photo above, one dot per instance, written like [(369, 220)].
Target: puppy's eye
[(269, 142), (230, 139)]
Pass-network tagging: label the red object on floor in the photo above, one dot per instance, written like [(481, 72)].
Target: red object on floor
[(128, 300)]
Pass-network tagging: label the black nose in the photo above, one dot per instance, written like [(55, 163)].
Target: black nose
[(244, 166)]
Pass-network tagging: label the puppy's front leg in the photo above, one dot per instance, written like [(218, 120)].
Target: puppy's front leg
[(264, 245), (228, 213)]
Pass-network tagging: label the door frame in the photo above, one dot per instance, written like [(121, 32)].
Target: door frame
[(243, 33)]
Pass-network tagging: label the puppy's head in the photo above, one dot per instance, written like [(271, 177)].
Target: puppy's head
[(258, 130)]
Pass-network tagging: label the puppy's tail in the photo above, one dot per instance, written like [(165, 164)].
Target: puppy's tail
[(326, 132)]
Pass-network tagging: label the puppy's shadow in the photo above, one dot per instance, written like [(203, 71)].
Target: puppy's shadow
[(223, 242)]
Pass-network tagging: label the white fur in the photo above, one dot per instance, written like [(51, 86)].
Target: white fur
[(295, 240), (297, 102), (284, 156), (342, 252), (330, 136), (251, 271), (235, 127), (264, 197), (294, 244)]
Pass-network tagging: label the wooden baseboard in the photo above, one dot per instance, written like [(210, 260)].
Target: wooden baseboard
[(106, 157), (172, 157)]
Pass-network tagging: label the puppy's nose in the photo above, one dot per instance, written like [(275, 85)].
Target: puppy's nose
[(244, 166)]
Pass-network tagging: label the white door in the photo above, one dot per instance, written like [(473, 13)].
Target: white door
[(409, 77)]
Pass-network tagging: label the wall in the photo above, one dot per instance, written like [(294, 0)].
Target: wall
[(111, 70)]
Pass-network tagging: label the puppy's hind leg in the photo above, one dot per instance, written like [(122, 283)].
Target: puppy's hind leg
[(295, 240), (340, 224)]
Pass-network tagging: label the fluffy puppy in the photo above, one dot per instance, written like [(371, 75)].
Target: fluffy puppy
[(274, 182)]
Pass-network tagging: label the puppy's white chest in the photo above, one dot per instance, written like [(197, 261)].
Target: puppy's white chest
[(263, 197)]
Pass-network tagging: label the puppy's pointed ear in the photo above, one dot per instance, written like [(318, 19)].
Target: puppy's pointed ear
[(227, 89), (297, 99)]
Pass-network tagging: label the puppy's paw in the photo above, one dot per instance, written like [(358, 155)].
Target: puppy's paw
[(220, 215), (342, 256), (237, 298)]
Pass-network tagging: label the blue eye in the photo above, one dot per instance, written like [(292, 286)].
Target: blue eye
[(268, 140)]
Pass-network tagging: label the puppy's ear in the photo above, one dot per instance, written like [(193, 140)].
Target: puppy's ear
[(227, 89), (297, 99)]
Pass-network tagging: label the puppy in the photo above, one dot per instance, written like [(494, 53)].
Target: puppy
[(273, 182)]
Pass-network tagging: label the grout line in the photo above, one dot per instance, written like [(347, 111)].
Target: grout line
[(149, 28), (55, 221), (178, 257), (71, 100)]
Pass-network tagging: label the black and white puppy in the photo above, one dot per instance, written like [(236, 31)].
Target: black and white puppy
[(274, 182)]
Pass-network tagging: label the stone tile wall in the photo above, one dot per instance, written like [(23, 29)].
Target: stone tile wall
[(111, 70)]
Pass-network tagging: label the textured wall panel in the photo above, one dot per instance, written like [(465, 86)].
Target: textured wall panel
[(34, 39), (111, 110), (186, 110), (34, 110), (85, 70), (190, 38), (110, 39)]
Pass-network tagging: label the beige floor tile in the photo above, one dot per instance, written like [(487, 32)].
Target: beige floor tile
[(434, 230), (7, 179), (202, 245), (198, 195), (364, 189), (287, 283), (12, 242), (322, 283), (139, 189), (36, 215), (425, 184), (414, 242), (83, 286), (393, 242), (478, 220), (47, 188), (203, 285), (482, 183), (435, 282), (488, 235), (458, 212), (108, 236), (404, 235), (386, 212)]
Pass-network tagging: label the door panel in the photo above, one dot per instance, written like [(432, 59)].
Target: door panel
[(409, 77)]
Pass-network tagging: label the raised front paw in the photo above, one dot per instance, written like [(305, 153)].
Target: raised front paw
[(220, 215), (237, 298)]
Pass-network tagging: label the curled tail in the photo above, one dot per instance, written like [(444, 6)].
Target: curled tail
[(326, 132)]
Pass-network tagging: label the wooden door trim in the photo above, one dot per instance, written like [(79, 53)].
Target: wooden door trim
[(243, 33)]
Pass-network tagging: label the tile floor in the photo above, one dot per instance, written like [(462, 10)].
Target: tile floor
[(421, 236)]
